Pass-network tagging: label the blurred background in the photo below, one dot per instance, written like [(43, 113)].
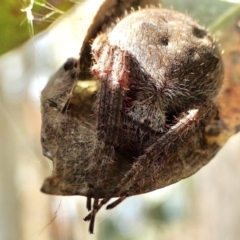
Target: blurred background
[(36, 38)]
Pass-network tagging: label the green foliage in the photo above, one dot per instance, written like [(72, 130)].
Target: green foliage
[(16, 28)]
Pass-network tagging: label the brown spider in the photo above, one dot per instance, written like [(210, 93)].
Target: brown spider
[(159, 73)]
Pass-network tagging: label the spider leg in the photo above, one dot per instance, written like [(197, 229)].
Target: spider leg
[(104, 201), (118, 201), (112, 71), (164, 149), (113, 75), (93, 214), (89, 203)]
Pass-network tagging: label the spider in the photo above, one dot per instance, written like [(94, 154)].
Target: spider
[(159, 73)]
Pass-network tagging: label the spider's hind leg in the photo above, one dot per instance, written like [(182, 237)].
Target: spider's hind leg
[(91, 216), (157, 166)]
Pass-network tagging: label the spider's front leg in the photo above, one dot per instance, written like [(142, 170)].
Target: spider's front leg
[(111, 69), (186, 136)]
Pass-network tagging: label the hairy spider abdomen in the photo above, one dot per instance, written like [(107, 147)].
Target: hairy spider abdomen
[(181, 61)]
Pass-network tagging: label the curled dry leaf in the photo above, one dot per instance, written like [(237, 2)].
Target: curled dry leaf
[(150, 121)]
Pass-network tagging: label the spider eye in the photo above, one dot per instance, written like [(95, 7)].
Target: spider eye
[(199, 33), (164, 41)]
